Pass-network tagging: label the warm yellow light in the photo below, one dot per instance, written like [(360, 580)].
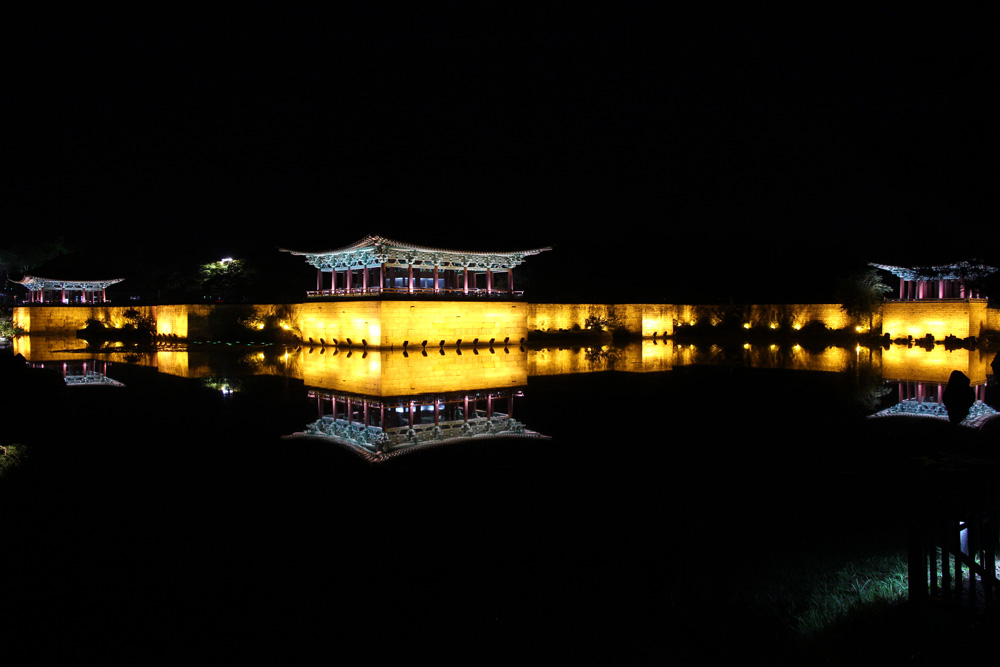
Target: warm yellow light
[(774, 325), (797, 327), (859, 329), (285, 327), (260, 326), (746, 325), (746, 346)]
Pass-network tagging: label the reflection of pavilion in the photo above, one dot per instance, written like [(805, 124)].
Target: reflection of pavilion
[(382, 427), (926, 399), (82, 373)]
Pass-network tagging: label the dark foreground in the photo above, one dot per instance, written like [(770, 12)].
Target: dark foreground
[(163, 523)]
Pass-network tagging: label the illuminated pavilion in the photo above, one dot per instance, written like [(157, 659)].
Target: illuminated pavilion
[(376, 265), (947, 281), (50, 290)]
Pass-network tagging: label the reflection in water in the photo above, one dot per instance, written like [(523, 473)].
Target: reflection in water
[(926, 399), (914, 374), (77, 373), (379, 428)]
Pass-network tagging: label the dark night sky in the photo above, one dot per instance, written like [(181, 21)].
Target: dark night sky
[(753, 155)]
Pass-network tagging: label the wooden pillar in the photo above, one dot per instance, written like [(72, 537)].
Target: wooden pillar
[(319, 280), (435, 412), (510, 280), (465, 414), (902, 288), (465, 289), (409, 281), (104, 295), (489, 281), (436, 290), (364, 283), (381, 278), (349, 276)]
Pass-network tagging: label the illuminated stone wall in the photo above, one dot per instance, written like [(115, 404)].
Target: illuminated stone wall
[(390, 323), (658, 319), (434, 321), (962, 318), (338, 320)]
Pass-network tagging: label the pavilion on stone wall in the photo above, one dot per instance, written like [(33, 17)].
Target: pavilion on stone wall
[(52, 290), (376, 265), (948, 281)]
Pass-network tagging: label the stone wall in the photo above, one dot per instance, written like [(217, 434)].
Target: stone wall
[(391, 323), (658, 319), (957, 317)]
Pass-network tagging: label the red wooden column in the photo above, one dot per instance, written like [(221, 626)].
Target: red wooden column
[(409, 280), (350, 276), (436, 290), (381, 278), (364, 282), (104, 295), (902, 288), (465, 289), (489, 281), (510, 280)]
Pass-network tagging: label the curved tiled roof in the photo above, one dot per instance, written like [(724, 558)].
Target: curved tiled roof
[(373, 240)]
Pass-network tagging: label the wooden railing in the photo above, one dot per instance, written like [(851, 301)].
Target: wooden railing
[(952, 547), (449, 292)]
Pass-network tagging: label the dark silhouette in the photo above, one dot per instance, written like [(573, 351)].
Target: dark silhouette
[(958, 397)]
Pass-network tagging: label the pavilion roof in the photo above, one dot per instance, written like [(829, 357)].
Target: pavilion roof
[(373, 250), (958, 271), (38, 283)]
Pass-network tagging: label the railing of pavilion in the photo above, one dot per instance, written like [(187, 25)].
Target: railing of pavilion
[(418, 291)]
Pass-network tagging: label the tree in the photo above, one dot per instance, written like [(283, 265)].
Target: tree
[(861, 295)]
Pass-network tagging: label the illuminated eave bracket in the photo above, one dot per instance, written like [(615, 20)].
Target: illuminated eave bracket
[(374, 251)]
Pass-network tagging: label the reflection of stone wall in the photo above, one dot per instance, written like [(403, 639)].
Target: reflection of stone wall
[(385, 373), (916, 364), (962, 318)]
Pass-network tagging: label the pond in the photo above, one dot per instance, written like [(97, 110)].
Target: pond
[(216, 500)]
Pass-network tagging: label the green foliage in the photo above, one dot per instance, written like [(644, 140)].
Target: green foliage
[(861, 295), (873, 581), (228, 280), (611, 321), (10, 330), (136, 321), (11, 456)]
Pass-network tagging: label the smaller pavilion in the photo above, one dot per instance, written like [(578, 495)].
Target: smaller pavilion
[(376, 265), (948, 281), (50, 290)]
